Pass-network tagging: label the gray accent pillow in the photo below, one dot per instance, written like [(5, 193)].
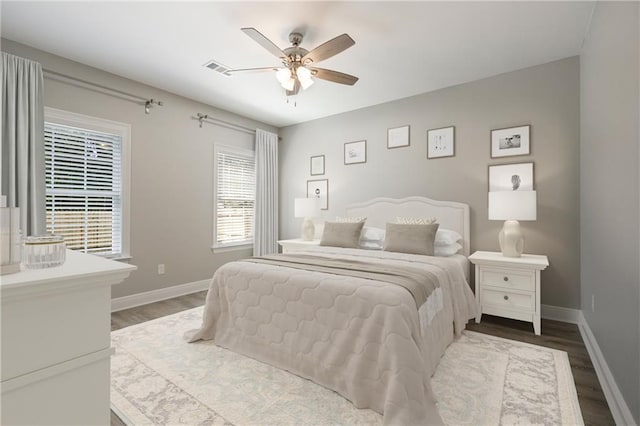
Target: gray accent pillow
[(336, 234), (414, 239)]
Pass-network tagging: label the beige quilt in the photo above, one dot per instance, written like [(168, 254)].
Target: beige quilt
[(366, 339)]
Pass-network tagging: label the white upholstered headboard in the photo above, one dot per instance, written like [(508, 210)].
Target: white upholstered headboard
[(450, 215)]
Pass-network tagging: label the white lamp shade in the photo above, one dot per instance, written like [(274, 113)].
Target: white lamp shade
[(512, 205), (306, 207)]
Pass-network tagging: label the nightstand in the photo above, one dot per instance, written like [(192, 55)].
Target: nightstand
[(296, 244), (509, 286)]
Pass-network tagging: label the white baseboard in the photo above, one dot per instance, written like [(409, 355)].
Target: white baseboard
[(558, 313), (619, 408), (139, 299)]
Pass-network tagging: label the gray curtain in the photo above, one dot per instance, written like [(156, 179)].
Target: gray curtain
[(23, 164), (266, 207)]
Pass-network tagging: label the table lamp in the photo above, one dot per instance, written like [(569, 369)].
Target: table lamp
[(512, 206), (307, 208)]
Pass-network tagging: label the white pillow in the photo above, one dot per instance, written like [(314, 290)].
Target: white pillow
[(445, 251), (369, 233), (371, 245), (416, 220), (446, 237), (352, 219)]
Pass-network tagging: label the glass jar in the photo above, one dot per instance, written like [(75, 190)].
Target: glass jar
[(43, 251)]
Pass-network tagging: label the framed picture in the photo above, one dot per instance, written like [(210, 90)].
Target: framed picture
[(441, 142), (355, 152), (317, 165), (511, 141), (319, 189), (511, 177), (398, 137)]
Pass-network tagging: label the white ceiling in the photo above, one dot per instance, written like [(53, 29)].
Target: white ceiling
[(402, 48)]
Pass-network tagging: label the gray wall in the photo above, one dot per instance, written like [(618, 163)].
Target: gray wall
[(171, 173), (609, 196), (545, 96)]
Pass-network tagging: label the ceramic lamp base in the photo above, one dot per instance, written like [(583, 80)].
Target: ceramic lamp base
[(308, 230), (511, 239)]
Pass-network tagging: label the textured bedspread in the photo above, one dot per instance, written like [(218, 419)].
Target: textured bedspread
[(363, 338), (419, 282)]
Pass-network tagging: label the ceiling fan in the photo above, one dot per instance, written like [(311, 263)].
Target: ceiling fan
[(299, 63)]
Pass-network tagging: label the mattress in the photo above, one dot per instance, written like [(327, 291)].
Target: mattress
[(366, 339)]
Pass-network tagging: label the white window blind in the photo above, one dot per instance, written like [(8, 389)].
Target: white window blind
[(234, 197), (84, 188)]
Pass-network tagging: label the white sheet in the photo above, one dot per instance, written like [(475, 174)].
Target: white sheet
[(464, 264)]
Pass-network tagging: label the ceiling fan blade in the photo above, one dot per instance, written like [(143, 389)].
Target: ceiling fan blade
[(334, 76), (262, 69), (296, 89), (328, 49), (264, 42)]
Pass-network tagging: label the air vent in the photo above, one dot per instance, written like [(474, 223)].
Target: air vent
[(218, 67)]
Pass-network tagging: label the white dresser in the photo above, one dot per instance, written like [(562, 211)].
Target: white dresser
[(296, 244), (509, 286), (56, 343)]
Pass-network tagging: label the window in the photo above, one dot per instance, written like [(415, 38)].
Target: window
[(87, 182), (234, 196)]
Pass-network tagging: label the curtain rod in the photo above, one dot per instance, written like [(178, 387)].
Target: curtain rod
[(54, 75), (218, 122)]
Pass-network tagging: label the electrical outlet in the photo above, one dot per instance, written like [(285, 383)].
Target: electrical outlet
[(593, 303), (160, 268)]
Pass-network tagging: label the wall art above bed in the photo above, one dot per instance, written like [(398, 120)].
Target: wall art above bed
[(441, 142), (398, 137), (319, 189), (317, 165), (355, 152), (511, 141)]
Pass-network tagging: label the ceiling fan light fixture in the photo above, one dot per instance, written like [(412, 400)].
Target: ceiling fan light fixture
[(283, 75), (289, 84), (304, 76)]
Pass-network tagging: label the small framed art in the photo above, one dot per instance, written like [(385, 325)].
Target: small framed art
[(511, 141), (441, 142), (355, 152), (317, 165), (398, 137), (319, 189), (511, 177)]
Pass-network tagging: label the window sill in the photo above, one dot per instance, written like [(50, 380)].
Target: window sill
[(231, 248)]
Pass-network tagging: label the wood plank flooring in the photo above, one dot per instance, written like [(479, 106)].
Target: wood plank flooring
[(555, 334)]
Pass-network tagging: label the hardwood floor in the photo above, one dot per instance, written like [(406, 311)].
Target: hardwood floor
[(555, 334)]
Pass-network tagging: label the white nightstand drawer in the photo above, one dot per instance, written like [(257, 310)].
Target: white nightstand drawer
[(508, 279), (507, 299)]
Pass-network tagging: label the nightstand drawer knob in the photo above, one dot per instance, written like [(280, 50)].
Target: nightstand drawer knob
[(506, 278), (506, 297)]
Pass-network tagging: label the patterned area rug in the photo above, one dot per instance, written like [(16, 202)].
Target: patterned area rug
[(158, 379)]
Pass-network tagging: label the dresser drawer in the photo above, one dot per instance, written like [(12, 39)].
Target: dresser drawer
[(508, 279), (509, 300)]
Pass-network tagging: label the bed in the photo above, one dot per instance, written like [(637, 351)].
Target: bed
[(365, 337)]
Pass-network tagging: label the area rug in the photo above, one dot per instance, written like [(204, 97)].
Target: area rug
[(158, 379)]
